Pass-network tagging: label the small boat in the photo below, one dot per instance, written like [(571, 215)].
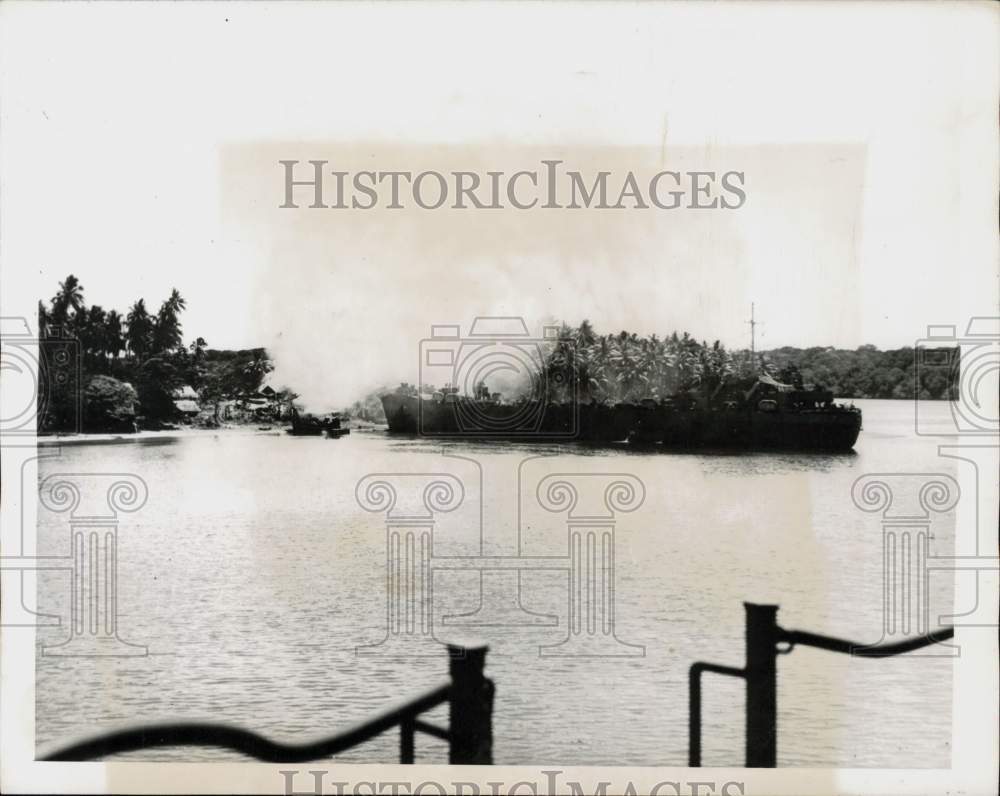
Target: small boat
[(309, 425)]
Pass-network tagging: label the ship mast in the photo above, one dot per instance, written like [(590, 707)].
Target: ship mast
[(753, 336)]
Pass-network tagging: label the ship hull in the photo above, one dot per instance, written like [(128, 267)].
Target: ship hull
[(834, 429)]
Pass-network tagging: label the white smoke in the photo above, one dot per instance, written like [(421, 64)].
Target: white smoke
[(344, 297)]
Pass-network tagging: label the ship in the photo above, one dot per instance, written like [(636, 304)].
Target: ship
[(760, 413), (751, 412)]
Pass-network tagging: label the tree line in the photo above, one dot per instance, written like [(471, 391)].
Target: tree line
[(108, 371), (629, 367), (625, 366)]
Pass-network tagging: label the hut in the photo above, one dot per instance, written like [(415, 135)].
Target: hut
[(188, 408)]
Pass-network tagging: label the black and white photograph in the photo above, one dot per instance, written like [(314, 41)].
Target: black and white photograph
[(535, 398)]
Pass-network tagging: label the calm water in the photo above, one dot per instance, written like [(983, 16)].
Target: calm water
[(252, 574)]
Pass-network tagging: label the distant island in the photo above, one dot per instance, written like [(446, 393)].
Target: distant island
[(104, 371)]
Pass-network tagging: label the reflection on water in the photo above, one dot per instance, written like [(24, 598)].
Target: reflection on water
[(721, 460), (252, 574)]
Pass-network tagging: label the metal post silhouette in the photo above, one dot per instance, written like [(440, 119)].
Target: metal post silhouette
[(470, 709), (762, 686)]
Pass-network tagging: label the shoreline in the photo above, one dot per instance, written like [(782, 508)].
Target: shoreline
[(364, 427), (86, 438), (115, 438)]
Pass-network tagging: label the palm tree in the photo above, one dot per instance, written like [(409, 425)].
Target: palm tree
[(198, 350), (69, 297), (584, 335), (656, 361), (167, 327), (91, 334), (197, 373), (44, 320), (716, 365), (114, 340), (629, 375), (139, 336), (689, 362), (77, 327), (560, 364), (625, 367), (254, 370), (599, 371)]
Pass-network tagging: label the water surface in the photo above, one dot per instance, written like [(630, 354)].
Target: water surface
[(252, 574)]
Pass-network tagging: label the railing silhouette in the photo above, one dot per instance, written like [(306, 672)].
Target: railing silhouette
[(469, 695), (763, 635)]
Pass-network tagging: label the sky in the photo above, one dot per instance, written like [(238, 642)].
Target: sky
[(364, 287), (148, 161)]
